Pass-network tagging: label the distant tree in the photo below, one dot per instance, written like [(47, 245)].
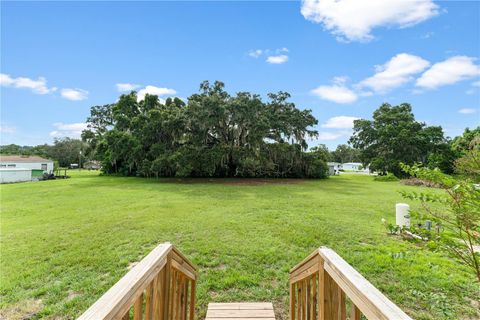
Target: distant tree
[(469, 163), (462, 144), (345, 153), (15, 149), (42, 150), (67, 151), (394, 137)]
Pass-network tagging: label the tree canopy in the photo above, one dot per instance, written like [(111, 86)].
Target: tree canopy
[(214, 134), (345, 153), (394, 137)]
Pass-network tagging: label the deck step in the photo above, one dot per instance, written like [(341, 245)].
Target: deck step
[(240, 311)]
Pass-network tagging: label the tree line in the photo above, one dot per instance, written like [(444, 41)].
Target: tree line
[(394, 136), (215, 134), (64, 151)]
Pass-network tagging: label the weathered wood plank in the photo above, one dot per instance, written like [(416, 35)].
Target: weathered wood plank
[(240, 318), (371, 302), (137, 308), (241, 305), (240, 311), (355, 313), (305, 270), (116, 301)]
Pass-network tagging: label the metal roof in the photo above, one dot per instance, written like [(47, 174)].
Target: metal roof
[(17, 158)]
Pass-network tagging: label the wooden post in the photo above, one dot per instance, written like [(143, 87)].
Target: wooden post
[(137, 308), (166, 292), (156, 302), (292, 301), (355, 313), (334, 299), (313, 297), (299, 300), (148, 301), (192, 299), (308, 297), (321, 291)]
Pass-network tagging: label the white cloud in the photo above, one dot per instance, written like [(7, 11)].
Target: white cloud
[(447, 72), (427, 35), (353, 20), (277, 59), (325, 135), (475, 85), (127, 87), (337, 92), (38, 86), (154, 91), (467, 111), (7, 129), (74, 94), (255, 53), (72, 130), (395, 72), (339, 122)]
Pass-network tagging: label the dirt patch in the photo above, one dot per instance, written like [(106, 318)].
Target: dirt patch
[(22, 310), (419, 183), (234, 181), (259, 182), (280, 309), (72, 295)]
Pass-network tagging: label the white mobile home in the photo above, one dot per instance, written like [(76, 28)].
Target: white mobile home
[(19, 168), (355, 166), (334, 168), (26, 162), (15, 175)]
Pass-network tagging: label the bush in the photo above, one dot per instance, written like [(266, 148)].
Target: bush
[(387, 177)]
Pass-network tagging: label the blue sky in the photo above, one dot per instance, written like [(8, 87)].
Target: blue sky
[(340, 59)]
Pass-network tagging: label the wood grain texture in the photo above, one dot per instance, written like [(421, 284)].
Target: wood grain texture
[(245, 310), (164, 275), (325, 298), (116, 301)]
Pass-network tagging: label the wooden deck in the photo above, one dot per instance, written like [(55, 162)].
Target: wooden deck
[(240, 311)]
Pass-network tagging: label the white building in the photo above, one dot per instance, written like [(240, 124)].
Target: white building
[(334, 168), (15, 175), (23, 168), (355, 166)]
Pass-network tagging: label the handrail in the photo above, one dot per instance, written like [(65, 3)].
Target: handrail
[(320, 284), (160, 287)]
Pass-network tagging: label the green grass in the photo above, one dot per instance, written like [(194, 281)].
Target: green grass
[(65, 242)]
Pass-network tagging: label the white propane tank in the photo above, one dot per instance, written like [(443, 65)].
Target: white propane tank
[(402, 211)]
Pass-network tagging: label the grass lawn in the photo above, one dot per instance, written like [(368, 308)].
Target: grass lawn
[(65, 242)]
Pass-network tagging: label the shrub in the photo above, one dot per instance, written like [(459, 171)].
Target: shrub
[(457, 210), (387, 177)]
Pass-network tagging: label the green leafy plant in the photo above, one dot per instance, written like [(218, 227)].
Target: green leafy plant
[(391, 228), (457, 210)]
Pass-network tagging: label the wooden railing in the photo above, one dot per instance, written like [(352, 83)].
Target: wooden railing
[(160, 287), (321, 285)]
